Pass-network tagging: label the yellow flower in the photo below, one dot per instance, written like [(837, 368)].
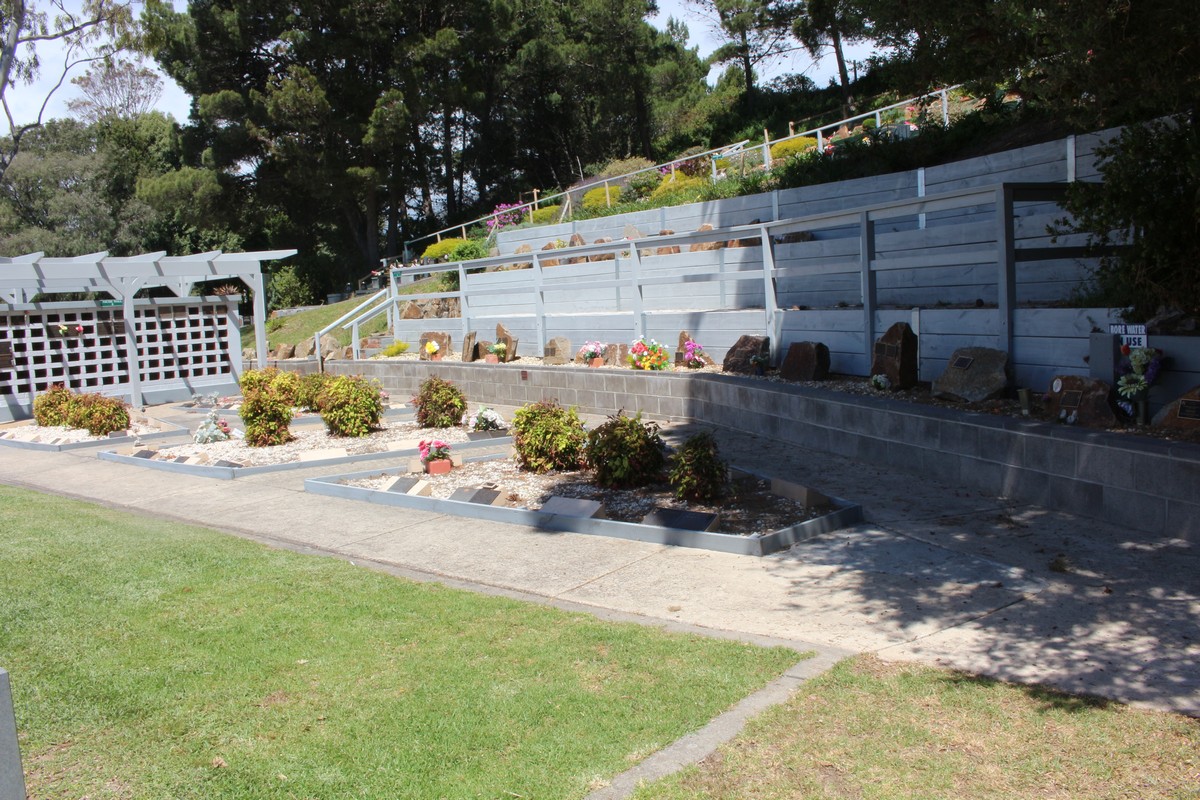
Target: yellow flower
[(431, 347)]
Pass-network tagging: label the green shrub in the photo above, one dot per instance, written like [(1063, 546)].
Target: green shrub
[(97, 414), (626, 452), (623, 166), (547, 436), (268, 396), (439, 403), (445, 247), (469, 250), (546, 214), (792, 147), (351, 406), (50, 407), (594, 199), (697, 471), (288, 288), (395, 349), (640, 187), (678, 185), (308, 391)]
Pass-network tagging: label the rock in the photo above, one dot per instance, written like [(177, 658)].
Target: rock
[(895, 355), (443, 340), (603, 256), (668, 250), (703, 246), (1182, 414), (1077, 400), (469, 352), (348, 352), (558, 351), (613, 356), (681, 351), (794, 238), (510, 342), (576, 240), (411, 311), (329, 344), (285, 351), (521, 249), (974, 374), (1170, 321), (805, 361), (550, 262), (631, 233), (739, 357)]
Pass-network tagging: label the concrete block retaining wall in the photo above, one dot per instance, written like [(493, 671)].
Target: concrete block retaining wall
[(1146, 484)]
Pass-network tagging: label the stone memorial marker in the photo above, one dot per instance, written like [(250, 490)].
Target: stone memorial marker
[(613, 357), (144, 454), (805, 361), (681, 351), (895, 356), (738, 359), (809, 498), (1083, 401), (400, 484), (574, 507), (558, 351), (443, 342), (476, 436), (974, 374), (510, 342), (1182, 414), (469, 353), (681, 519)]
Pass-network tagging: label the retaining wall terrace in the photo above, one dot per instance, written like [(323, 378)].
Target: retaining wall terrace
[(1146, 484)]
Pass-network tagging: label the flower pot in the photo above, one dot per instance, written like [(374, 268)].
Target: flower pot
[(596, 362), (435, 357), (491, 358), (438, 466)]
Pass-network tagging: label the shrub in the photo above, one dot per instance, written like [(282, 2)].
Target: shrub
[(626, 452), (793, 147), (351, 406), (439, 250), (469, 250), (268, 396), (547, 436), (594, 199), (288, 288), (640, 186), (623, 166), (546, 215), (97, 414), (395, 349), (308, 391), (50, 407), (439, 403), (680, 184), (697, 471)]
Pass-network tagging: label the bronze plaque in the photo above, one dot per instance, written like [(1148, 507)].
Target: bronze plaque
[(963, 362), (893, 351), (880, 349), (1189, 409), (1071, 399)]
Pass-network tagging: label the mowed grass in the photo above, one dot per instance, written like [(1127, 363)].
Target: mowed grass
[(156, 660), (869, 729)]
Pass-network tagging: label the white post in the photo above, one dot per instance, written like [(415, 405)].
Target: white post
[(766, 148), (945, 108), (820, 142), (260, 318), (133, 358)]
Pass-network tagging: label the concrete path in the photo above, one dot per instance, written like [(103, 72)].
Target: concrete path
[(938, 574)]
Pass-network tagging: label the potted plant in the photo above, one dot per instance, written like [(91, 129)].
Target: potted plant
[(435, 455), (432, 349), (592, 354), (496, 353)]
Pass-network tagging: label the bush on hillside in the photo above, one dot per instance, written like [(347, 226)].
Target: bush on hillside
[(595, 199), (438, 251)]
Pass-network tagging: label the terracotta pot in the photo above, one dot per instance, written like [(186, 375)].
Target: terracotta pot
[(435, 357), (492, 358), (438, 466), (596, 362)]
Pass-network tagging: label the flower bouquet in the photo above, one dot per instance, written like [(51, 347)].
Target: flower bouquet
[(431, 350), (648, 355), (693, 354), (485, 419), (592, 353), (435, 455)]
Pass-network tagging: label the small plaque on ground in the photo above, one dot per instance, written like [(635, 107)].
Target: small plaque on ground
[(476, 436), (144, 454), (574, 507), (401, 484), (117, 434), (681, 519), (1071, 399), (963, 362), (224, 463), (1189, 409)]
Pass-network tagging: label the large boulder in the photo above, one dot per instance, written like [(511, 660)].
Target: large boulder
[(469, 352), (974, 374), (558, 351), (805, 361), (895, 356), (510, 342), (1182, 414), (442, 339), (742, 358), (1077, 400)]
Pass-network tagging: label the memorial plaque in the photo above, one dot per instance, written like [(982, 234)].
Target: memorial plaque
[(963, 362), (464, 494), (880, 349), (117, 434), (402, 484), (1071, 399), (476, 436), (681, 519), (144, 454), (224, 463), (573, 507), (1189, 409)]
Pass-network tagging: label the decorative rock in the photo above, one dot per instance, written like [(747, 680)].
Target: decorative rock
[(631, 233), (669, 250), (411, 311), (703, 246), (521, 249), (805, 361), (1077, 400), (558, 351), (549, 262), (442, 339), (348, 352), (576, 240), (285, 351), (681, 350), (739, 357), (603, 256), (612, 355), (469, 352), (794, 238), (510, 342), (1182, 414), (895, 355), (974, 374)]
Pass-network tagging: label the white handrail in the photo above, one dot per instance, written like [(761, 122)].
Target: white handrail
[(317, 337)]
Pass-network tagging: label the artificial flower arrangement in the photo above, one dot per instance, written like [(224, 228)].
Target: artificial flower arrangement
[(648, 355), (693, 354), (498, 349), (485, 419), (432, 347), (591, 350), (881, 382), (64, 330), (1139, 370), (433, 450)]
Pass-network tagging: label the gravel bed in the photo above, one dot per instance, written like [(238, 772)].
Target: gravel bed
[(60, 434)]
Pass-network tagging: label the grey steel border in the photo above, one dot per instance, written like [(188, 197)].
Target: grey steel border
[(167, 429)]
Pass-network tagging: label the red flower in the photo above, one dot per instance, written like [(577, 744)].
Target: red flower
[(1124, 349)]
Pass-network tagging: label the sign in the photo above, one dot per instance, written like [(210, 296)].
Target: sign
[(1131, 335), (111, 303)]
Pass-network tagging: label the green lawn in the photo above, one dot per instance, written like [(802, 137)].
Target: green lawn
[(868, 729), (155, 660)]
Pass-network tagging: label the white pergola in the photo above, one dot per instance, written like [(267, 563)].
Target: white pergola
[(123, 277)]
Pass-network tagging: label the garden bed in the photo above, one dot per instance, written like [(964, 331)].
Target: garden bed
[(28, 435)]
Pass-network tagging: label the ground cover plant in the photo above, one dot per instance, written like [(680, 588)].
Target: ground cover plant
[(180, 662), (870, 729)]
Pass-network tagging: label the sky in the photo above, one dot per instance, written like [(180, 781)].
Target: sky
[(25, 101)]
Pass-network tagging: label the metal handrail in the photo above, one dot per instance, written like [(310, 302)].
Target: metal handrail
[(317, 337)]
